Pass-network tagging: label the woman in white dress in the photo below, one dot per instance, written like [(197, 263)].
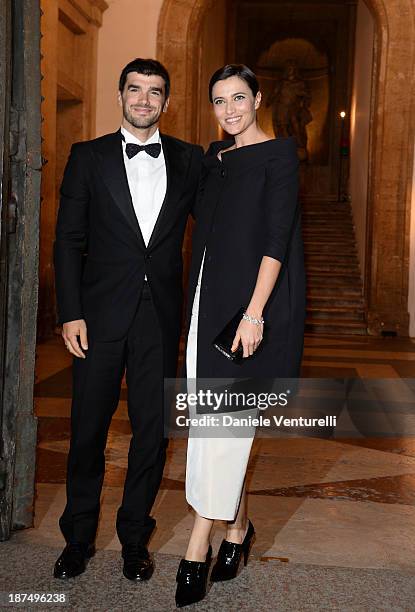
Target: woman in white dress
[(247, 252)]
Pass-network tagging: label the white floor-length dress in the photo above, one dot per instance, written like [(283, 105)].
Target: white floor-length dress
[(216, 466)]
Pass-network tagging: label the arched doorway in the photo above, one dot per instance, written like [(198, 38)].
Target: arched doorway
[(392, 136)]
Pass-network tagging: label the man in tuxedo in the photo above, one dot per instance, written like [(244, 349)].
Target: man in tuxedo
[(125, 199)]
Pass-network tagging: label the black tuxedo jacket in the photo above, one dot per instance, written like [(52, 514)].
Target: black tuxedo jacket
[(100, 255)]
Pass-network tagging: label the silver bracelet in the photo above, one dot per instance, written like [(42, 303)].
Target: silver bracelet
[(247, 317)]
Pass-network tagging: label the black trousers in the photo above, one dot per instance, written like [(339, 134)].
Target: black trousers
[(96, 391)]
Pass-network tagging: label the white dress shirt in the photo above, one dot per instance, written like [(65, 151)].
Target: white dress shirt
[(147, 180)]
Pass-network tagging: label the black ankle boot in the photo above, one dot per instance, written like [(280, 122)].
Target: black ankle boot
[(229, 557), (192, 580)]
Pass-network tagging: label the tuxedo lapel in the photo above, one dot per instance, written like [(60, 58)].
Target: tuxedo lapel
[(176, 169), (113, 172)]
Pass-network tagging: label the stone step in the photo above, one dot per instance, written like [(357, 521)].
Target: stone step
[(325, 233), (335, 327), (334, 255), (327, 212), (326, 246), (336, 281), (335, 313), (330, 251), (323, 230), (316, 248), (326, 205), (328, 236), (325, 290), (331, 257), (340, 285), (329, 205), (329, 248), (327, 216), (333, 268), (323, 301), (330, 241), (336, 291), (326, 220)]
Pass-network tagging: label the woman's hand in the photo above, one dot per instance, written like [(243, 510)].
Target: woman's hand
[(250, 335)]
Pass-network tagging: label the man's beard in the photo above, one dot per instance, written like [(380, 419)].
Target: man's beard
[(140, 122)]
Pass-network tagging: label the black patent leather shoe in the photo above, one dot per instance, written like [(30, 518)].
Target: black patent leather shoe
[(137, 562), (229, 557), (192, 580), (73, 560)]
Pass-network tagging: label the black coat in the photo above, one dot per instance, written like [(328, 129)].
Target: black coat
[(100, 255), (247, 208)]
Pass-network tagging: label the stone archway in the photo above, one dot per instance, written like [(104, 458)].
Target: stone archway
[(177, 45), (391, 166), (391, 144)]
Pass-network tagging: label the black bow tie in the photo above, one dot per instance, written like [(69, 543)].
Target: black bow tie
[(152, 149)]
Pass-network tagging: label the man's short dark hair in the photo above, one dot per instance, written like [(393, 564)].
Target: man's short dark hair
[(239, 70), (147, 67)]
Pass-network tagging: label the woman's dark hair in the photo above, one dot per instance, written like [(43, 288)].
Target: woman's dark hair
[(230, 70), (147, 67)]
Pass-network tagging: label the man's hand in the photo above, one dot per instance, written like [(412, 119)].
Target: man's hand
[(70, 333)]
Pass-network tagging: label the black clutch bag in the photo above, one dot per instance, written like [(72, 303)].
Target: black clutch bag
[(223, 341)]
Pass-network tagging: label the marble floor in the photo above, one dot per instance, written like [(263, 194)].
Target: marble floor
[(347, 503)]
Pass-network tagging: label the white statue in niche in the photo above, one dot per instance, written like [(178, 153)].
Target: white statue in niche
[(290, 102)]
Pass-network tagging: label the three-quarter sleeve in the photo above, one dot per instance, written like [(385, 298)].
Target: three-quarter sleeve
[(281, 200)]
